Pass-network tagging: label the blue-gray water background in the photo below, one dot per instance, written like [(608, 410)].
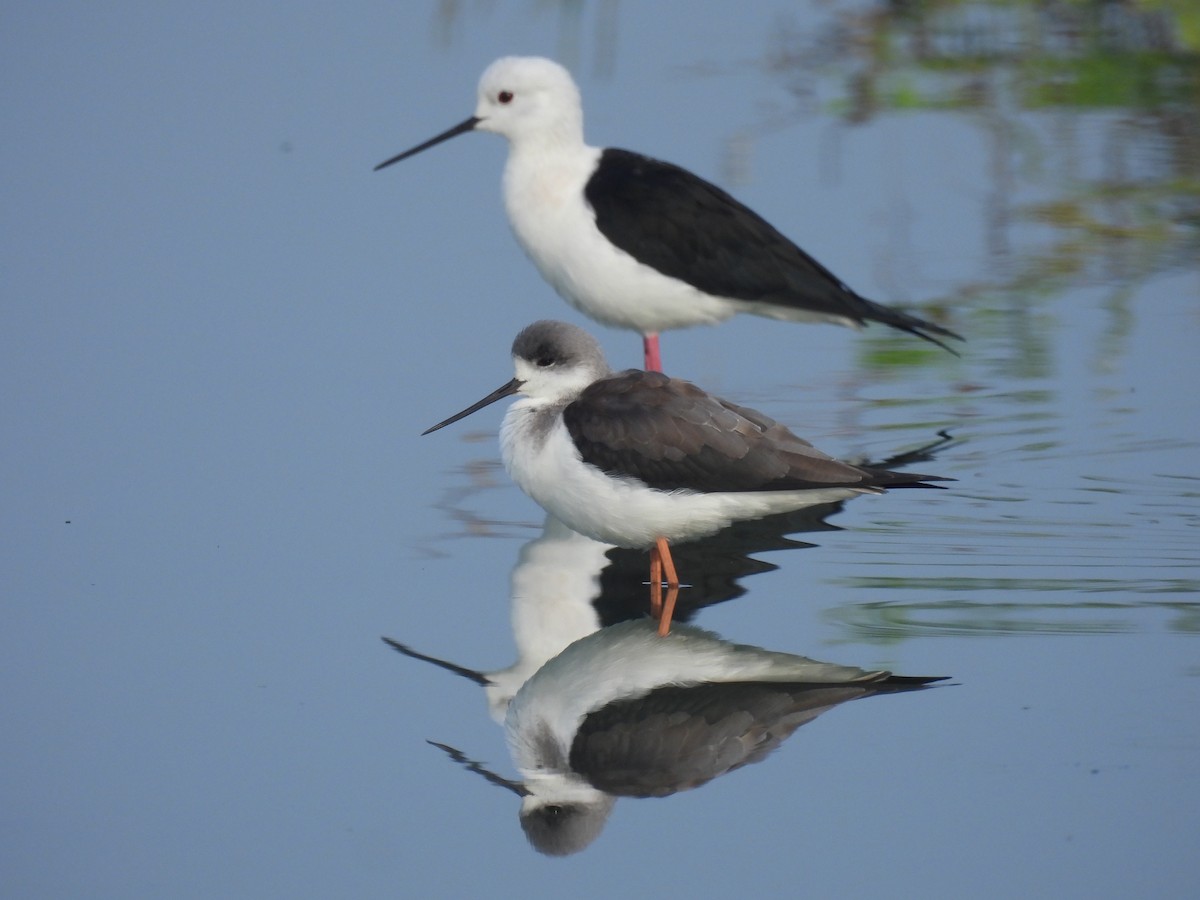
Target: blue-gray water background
[(221, 334)]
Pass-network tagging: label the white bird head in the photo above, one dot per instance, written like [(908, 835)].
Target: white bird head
[(528, 99)]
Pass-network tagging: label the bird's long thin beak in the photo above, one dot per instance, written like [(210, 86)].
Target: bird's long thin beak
[(460, 128), (498, 394), (474, 675), (479, 769)]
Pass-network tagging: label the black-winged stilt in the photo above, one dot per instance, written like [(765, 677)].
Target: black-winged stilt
[(640, 244), (638, 459)]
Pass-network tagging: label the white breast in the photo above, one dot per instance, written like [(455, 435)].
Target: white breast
[(624, 511), (557, 229)]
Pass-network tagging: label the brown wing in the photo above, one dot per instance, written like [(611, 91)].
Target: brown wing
[(671, 435)]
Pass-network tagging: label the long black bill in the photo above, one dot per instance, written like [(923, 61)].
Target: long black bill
[(479, 769), (460, 128), (478, 677), (498, 394)]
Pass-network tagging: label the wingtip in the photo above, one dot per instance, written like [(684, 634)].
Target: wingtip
[(910, 324), (922, 330)]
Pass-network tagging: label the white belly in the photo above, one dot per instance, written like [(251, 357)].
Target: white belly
[(557, 229), (623, 511)]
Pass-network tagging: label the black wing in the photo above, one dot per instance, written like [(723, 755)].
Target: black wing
[(687, 228), (672, 435)]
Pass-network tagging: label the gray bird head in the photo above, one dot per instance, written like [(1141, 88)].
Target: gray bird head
[(560, 826)]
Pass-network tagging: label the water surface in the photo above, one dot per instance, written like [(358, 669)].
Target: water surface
[(224, 334)]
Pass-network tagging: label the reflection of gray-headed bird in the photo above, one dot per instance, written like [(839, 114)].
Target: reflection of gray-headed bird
[(554, 584), (625, 713), (565, 586), (638, 459), (640, 244)]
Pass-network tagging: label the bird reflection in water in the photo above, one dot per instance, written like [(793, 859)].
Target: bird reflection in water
[(626, 713), (565, 586)]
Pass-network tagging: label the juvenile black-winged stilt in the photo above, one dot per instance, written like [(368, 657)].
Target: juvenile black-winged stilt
[(623, 713), (640, 244), (638, 459)]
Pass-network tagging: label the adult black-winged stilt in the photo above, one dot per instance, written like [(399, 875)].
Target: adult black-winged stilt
[(640, 244)]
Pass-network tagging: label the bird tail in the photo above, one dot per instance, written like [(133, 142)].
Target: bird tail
[(902, 321), (897, 684), (886, 478)]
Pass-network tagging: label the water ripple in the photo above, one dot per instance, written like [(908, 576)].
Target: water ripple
[(892, 622)]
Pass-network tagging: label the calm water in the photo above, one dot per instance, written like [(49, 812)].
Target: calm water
[(225, 334)]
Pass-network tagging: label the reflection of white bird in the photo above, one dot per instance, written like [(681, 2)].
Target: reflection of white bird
[(623, 712), (639, 460), (640, 244)]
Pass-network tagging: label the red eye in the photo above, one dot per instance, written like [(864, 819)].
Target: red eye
[(505, 96)]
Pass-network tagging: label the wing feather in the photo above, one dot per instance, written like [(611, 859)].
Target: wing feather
[(687, 228), (671, 435), (680, 737)]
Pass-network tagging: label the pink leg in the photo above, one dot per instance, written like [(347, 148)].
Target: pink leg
[(653, 360)]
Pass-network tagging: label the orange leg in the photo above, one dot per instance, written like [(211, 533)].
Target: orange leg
[(650, 354), (660, 563), (664, 621), (656, 598)]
